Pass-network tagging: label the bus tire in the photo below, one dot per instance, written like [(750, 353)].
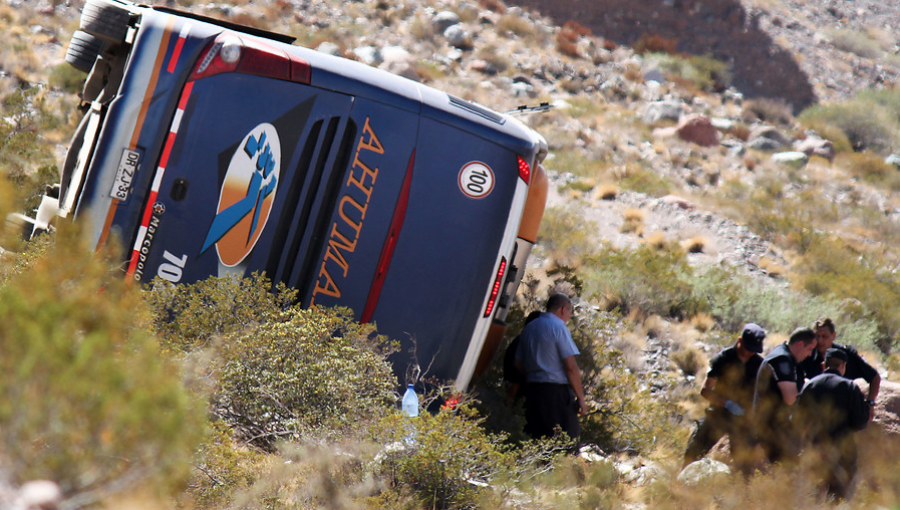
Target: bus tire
[(105, 19), (83, 50)]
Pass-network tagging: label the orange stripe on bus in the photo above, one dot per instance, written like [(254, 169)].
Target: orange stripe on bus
[(145, 105)]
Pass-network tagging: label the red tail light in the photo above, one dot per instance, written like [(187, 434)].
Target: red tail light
[(230, 54), (524, 170), (495, 291)]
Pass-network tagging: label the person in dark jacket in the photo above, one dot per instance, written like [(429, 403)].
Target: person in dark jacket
[(857, 366), (729, 389), (778, 383), (830, 408)]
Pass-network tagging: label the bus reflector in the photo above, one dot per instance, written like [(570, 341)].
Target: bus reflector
[(495, 291), (524, 170)]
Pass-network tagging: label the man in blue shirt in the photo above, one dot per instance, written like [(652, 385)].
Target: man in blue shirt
[(553, 391)]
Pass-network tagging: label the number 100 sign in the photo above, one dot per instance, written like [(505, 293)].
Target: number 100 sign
[(476, 180)]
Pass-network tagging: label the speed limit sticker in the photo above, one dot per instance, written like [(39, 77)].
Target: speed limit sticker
[(476, 180)]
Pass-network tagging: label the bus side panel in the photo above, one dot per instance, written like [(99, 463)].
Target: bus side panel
[(190, 227), (364, 208), (444, 262)]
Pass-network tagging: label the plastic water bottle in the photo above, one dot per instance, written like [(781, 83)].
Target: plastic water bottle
[(410, 401)]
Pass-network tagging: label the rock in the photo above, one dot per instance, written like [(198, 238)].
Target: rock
[(698, 129), (369, 55), (39, 495), (722, 124), (893, 159), (735, 148), (444, 20), (887, 409), (638, 473), (482, 66), (815, 146), (764, 144), (458, 37), (654, 75), (680, 202), (702, 471), (794, 159), (329, 48), (659, 110), (767, 131), (398, 61)]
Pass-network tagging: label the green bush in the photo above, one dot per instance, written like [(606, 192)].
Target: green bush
[(871, 121), (305, 373), (641, 280), (189, 316), (86, 398), (705, 72), (565, 235), (445, 460), (853, 41)]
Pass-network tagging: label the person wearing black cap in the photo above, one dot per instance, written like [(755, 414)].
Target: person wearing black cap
[(778, 383), (857, 366), (729, 390), (829, 409)]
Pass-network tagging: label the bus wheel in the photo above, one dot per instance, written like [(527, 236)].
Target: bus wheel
[(105, 19), (82, 51)]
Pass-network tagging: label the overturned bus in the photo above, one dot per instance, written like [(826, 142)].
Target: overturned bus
[(210, 149)]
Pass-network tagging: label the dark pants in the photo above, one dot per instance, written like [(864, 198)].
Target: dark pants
[(548, 405), (712, 427)]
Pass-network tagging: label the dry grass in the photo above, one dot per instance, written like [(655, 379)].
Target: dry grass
[(690, 360), (703, 322), (607, 191), (696, 244), (772, 267), (657, 240), (516, 25), (633, 221)]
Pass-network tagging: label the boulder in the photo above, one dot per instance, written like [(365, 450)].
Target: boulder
[(815, 146), (893, 160), (698, 129), (794, 159), (703, 470), (329, 48), (764, 144), (458, 37), (887, 410), (444, 20), (767, 131), (398, 61), (663, 110), (369, 55)]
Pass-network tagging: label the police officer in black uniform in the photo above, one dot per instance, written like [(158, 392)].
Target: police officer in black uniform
[(778, 383), (857, 366), (729, 389), (830, 408)]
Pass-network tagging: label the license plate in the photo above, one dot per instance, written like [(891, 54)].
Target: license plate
[(128, 167)]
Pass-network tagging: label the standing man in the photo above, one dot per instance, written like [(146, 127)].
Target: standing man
[(856, 366), (830, 408), (777, 385), (553, 392), (729, 389)]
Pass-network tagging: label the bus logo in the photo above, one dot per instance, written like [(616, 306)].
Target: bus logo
[(246, 197), (476, 180)]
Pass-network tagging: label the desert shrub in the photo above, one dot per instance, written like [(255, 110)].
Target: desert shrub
[(870, 121), (735, 299), (690, 360), (870, 168), (565, 235), (853, 41), (626, 415), (22, 148), (641, 279), (831, 268), (775, 111), (515, 25), (642, 180), (87, 399), (445, 460), (223, 469), (653, 43), (67, 78), (187, 316), (305, 373), (702, 72)]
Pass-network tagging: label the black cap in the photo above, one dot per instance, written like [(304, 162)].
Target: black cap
[(835, 353), (752, 337)]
